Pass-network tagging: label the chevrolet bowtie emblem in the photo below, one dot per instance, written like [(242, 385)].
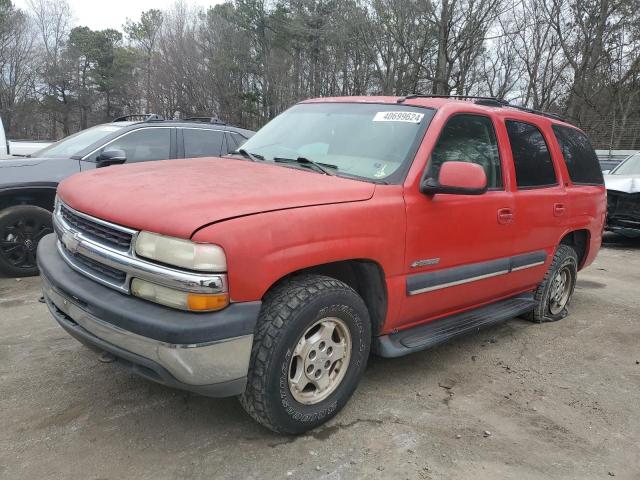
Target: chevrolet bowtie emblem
[(71, 241)]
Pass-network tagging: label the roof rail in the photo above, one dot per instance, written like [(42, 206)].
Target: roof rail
[(458, 97), (140, 117), (487, 102), (214, 120), (555, 116)]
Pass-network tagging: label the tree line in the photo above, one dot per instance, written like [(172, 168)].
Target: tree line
[(245, 61)]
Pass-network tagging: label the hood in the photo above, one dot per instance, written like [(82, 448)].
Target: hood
[(176, 197), (20, 162), (623, 183), (21, 172)]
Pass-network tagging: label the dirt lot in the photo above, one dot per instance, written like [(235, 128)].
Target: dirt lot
[(559, 400)]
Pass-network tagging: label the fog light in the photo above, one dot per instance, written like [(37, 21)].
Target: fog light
[(195, 302)]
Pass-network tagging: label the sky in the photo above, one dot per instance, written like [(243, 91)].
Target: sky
[(101, 14)]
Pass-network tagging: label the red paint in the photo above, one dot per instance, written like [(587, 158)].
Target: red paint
[(272, 221), (462, 175)]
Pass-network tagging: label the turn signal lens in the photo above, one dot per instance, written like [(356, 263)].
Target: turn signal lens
[(207, 303), (195, 302)]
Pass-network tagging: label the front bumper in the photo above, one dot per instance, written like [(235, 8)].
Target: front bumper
[(207, 353)]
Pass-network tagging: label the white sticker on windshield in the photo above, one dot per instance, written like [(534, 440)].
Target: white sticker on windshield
[(410, 117)]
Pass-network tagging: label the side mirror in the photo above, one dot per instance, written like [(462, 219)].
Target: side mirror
[(458, 178), (111, 157)]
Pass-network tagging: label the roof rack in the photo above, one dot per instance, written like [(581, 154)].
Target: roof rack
[(139, 117), (458, 97), (214, 120), (487, 102)]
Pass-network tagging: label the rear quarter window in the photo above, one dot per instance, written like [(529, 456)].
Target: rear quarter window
[(579, 156)]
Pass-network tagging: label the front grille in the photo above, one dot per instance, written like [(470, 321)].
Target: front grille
[(99, 268), (624, 206), (102, 233)]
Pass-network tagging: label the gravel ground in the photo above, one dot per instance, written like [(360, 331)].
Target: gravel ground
[(517, 401)]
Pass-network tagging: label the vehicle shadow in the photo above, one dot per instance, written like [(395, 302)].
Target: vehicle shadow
[(192, 415), (615, 241)]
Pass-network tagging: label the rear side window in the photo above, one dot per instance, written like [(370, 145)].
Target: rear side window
[(202, 142), (468, 138), (579, 155), (531, 157)]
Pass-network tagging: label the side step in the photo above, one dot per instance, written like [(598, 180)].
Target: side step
[(439, 331)]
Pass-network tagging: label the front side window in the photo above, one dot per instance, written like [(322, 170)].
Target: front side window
[(468, 138), (362, 140), (534, 167), (579, 156), (142, 145), (200, 142)]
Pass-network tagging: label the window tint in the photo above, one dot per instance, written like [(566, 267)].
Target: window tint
[(534, 167), (202, 143), (468, 138), (143, 145), (582, 162)]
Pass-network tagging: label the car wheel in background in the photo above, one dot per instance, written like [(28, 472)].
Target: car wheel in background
[(21, 228)]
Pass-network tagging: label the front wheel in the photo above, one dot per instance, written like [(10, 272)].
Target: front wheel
[(554, 293), (310, 350), (21, 228)]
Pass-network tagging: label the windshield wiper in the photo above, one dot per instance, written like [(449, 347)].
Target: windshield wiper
[(305, 162), (254, 157)]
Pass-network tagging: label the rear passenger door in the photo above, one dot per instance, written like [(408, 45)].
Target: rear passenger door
[(202, 142), (541, 204)]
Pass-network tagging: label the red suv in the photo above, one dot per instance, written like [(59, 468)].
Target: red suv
[(344, 226)]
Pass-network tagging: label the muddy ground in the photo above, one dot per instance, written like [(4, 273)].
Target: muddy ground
[(556, 401)]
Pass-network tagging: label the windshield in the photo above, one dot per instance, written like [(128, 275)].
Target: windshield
[(369, 141), (631, 166), (73, 144)]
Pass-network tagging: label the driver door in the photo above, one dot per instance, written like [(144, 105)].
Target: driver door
[(458, 246)]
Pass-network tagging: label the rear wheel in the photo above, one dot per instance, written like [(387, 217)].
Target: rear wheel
[(21, 228), (310, 350), (554, 293)]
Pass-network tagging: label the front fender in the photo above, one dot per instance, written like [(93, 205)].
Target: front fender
[(265, 247)]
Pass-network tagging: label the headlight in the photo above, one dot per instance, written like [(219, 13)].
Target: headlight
[(195, 302), (181, 253)]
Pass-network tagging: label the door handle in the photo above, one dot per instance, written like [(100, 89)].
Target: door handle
[(558, 209), (505, 215)]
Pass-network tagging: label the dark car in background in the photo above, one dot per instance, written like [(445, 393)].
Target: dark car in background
[(28, 185), (623, 197)]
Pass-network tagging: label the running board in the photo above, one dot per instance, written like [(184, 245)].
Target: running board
[(439, 331)]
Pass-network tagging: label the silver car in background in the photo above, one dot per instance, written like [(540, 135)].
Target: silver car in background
[(623, 197)]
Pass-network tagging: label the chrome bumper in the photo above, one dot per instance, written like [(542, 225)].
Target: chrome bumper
[(191, 365)]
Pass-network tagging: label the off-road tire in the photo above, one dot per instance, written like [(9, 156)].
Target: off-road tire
[(565, 256), (287, 311), (8, 217)]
